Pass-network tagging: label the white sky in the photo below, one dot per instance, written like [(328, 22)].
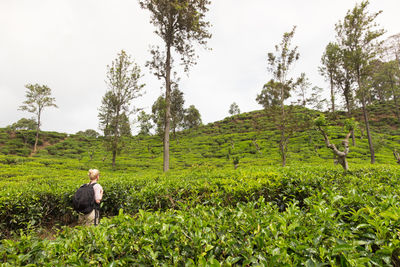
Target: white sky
[(67, 44)]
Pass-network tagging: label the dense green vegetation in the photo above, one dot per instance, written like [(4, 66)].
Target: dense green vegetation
[(255, 215), (205, 212)]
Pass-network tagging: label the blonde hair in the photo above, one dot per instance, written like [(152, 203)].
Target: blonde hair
[(93, 174)]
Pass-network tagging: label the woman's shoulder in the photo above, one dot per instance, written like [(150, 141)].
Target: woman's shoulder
[(98, 186)]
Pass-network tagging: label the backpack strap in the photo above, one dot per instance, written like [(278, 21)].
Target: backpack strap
[(96, 210)]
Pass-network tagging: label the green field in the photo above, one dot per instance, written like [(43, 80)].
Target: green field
[(204, 212)]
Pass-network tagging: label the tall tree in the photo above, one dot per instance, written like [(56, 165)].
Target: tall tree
[(335, 68), (358, 37), (234, 109), (123, 86), (279, 88), (179, 23), (330, 63), (38, 97)]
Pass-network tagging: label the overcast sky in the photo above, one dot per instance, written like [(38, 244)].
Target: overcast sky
[(67, 44)]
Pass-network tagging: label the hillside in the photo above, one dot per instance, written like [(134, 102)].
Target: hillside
[(250, 138)]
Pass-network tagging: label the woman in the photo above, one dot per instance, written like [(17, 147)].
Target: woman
[(93, 216)]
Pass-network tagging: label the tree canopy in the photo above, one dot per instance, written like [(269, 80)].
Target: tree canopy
[(38, 97)]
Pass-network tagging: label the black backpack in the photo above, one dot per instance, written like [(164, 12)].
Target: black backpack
[(83, 199)]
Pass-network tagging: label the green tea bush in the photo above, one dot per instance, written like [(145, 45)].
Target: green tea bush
[(253, 233)]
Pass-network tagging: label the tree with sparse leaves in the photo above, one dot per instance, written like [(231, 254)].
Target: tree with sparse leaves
[(179, 23), (302, 90), (38, 97), (357, 36), (123, 86), (278, 89), (331, 60), (234, 109), (392, 47)]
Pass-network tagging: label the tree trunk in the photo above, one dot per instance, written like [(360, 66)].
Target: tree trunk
[(353, 137), (341, 155), (115, 141), (346, 93), (167, 108), (37, 132), (397, 156), (332, 96), (282, 142), (114, 153), (343, 162), (282, 147), (365, 114)]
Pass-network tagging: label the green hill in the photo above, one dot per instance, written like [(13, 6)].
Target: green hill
[(249, 137)]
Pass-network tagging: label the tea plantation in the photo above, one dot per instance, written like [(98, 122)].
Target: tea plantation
[(204, 212)]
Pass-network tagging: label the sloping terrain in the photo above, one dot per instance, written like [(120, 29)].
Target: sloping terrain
[(250, 138)]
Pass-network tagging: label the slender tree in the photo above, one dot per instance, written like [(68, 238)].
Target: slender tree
[(123, 86), (335, 68), (179, 23), (38, 97), (330, 63), (281, 85), (358, 38)]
